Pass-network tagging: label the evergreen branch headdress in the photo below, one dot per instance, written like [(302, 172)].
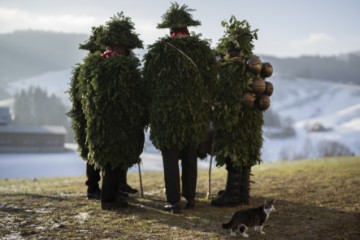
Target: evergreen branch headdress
[(178, 17), (238, 36), (91, 44), (119, 31)]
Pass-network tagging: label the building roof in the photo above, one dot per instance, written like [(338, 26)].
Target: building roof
[(5, 117), (59, 130)]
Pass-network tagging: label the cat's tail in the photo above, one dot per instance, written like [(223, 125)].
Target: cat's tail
[(226, 225)]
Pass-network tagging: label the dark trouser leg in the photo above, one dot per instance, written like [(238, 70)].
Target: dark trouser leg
[(122, 178), (244, 197), (122, 183), (110, 184), (110, 187), (171, 174), (189, 172), (93, 178)]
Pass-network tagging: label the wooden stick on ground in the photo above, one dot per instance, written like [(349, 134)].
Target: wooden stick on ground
[(140, 178), (209, 183)]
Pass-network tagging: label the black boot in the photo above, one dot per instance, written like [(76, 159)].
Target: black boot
[(221, 192), (173, 208), (92, 182), (244, 197), (124, 186), (230, 197), (93, 194)]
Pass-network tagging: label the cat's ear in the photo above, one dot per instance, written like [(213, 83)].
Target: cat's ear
[(265, 202)]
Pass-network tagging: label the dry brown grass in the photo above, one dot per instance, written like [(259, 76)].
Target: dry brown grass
[(316, 199)]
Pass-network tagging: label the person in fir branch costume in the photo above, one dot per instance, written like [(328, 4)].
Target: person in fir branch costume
[(78, 122), (113, 104), (238, 139), (179, 71), (77, 115)]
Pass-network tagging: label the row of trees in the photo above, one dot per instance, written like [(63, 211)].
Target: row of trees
[(325, 148), (36, 107)]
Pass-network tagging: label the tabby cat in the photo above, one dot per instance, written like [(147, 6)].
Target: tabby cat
[(253, 217)]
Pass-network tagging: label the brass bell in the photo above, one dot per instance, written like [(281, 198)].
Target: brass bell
[(263, 102), (266, 70), (258, 86), (248, 100), (269, 88), (254, 65)]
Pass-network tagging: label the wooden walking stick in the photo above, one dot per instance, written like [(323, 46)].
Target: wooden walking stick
[(141, 185), (211, 158), (210, 166)]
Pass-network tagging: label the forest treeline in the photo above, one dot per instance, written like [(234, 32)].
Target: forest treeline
[(35, 107)]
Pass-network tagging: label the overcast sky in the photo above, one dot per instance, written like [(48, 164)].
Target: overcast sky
[(286, 27)]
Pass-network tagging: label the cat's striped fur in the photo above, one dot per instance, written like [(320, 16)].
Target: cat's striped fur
[(253, 217)]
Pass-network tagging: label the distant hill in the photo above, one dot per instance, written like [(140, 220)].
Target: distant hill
[(30, 53), (344, 68), (26, 54)]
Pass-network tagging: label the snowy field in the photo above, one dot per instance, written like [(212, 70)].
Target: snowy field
[(306, 102)]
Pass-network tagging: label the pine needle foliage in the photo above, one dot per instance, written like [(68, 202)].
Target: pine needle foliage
[(118, 31), (109, 101), (76, 113), (180, 74), (114, 108), (239, 130), (178, 17), (92, 43), (238, 36)]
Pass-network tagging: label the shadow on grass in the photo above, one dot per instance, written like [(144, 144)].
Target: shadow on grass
[(290, 221), (52, 197)]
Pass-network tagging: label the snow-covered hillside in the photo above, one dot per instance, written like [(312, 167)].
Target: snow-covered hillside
[(308, 102), (335, 106)]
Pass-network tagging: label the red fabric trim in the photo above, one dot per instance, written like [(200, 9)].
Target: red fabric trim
[(179, 34), (109, 53)]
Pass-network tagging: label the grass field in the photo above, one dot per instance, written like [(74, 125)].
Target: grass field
[(315, 199)]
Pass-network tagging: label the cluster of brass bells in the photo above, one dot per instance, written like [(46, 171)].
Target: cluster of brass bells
[(261, 91)]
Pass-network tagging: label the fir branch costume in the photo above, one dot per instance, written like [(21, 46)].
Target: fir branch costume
[(109, 111), (115, 111), (238, 129), (180, 74), (78, 121), (78, 124), (77, 92)]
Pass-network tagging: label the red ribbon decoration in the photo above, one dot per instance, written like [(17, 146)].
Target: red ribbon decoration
[(109, 53), (179, 34)]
